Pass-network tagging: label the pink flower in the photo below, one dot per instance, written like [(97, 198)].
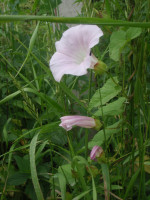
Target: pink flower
[(67, 122), (73, 51), (96, 152)]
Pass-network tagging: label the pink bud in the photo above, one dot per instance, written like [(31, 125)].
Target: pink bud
[(96, 152), (67, 122)]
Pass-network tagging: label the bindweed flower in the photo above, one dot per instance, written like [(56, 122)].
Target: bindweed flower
[(96, 152), (73, 51), (67, 122)]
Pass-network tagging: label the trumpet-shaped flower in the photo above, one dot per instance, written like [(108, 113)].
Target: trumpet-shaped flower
[(73, 51), (67, 122)]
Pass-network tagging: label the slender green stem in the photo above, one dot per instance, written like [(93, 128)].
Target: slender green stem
[(51, 158), (87, 131), (86, 142), (73, 20), (105, 141), (70, 145)]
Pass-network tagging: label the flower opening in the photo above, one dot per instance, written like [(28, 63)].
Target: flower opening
[(73, 51)]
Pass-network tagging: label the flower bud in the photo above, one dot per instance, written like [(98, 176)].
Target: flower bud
[(96, 152), (98, 125), (100, 67), (67, 122)]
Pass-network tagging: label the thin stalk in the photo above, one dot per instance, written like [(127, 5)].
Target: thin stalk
[(86, 143), (90, 81), (87, 131), (141, 106), (70, 145), (51, 158), (73, 20), (132, 119), (105, 140), (141, 159)]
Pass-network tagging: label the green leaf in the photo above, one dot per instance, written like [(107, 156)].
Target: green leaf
[(62, 183), (130, 157), (67, 171), (116, 187), (117, 41), (22, 163), (114, 108), (40, 149), (81, 195), (9, 97), (133, 33), (5, 132), (107, 92), (33, 169), (32, 40), (18, 178), (99, 138)]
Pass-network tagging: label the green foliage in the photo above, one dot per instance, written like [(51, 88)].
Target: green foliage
[(114, 108), (31, 44), (100, 137), (18, 178), (120, 39), (109, 90)]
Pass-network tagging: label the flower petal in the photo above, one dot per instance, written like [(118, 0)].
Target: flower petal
[(61, 64), (79, 39)]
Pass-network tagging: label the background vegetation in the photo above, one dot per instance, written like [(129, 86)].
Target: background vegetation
[(39, 160)]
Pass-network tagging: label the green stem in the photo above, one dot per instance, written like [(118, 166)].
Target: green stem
[(86, 143), (74, 20), (87, 131), (105, 141), (70, 145), (53, 181)]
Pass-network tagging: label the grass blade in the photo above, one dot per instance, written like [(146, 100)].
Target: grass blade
[(106, 178), (81, 195), (132, 181), (33, 169), (31, 44)]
